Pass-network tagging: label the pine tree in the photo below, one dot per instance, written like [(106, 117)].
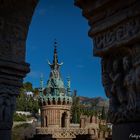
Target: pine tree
[(103, 114)]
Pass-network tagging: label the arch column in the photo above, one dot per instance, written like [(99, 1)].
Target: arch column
[(115, 31), (15, 17)]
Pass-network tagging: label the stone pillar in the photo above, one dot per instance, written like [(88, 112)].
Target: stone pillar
[(67, 121), (82, 122), (15, 18), (93, 135), (115, 30)]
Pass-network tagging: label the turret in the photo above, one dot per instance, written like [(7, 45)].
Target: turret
[(55, 100), (41, 85), (68, 86), (55, 92), (55, 65)]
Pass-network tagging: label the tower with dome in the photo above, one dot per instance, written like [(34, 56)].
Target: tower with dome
[(55, 103), (55, 99)]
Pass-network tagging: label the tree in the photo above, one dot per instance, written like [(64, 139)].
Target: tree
[(75, 109), (27, 103), (36, 91), (20, 103), (27, 86), (103, 114)]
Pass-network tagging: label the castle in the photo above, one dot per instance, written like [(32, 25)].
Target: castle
[(55, 102)]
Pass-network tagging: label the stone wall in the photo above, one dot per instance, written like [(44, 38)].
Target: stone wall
[(15, 17), (115, 30)]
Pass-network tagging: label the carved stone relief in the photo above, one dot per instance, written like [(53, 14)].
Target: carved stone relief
[(121, 32), (7, 105), (121, 80)]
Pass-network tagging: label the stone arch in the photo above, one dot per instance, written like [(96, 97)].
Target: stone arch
[(59, 101), (49, 102), (91, 119), (64, 101), (63, 119)]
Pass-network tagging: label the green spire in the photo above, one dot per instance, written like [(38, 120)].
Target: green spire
[(41, 85), (55, 65), (55, 58), (55, 89), (55, 85)]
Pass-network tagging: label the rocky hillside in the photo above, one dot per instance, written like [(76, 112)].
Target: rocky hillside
[(96, 101)]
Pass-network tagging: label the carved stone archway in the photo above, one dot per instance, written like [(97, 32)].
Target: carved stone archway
[(115, 30)]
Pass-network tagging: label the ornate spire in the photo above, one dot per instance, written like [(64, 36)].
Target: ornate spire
[(55, 58), (55, 85), (55, 65), (55, 91)]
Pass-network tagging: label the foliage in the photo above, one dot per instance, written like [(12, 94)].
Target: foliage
[(27, 102), (103, 128), (20, 117), (24, 125), (88, 112), (22, 131), (27, 86), (36, 91), (75, 109), (103, 114), (78, 109)]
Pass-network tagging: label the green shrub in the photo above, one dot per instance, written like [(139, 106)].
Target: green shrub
[(18, 117)]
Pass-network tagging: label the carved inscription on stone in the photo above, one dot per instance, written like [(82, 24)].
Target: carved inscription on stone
[(124, 31)]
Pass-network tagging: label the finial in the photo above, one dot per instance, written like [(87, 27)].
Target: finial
[(55, 65), (55, 44), (55, 59)]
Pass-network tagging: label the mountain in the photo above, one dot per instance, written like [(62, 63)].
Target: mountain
[(99, 102)]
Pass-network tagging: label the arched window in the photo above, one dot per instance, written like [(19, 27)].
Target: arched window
[(63, 119), (46, 120)]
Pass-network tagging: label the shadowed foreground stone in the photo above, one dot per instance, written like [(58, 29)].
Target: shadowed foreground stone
[(115, 30), (15, 17)]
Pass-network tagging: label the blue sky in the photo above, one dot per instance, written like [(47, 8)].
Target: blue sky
[(62, 21)]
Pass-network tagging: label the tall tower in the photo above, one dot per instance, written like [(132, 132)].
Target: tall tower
[(55, 102)]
